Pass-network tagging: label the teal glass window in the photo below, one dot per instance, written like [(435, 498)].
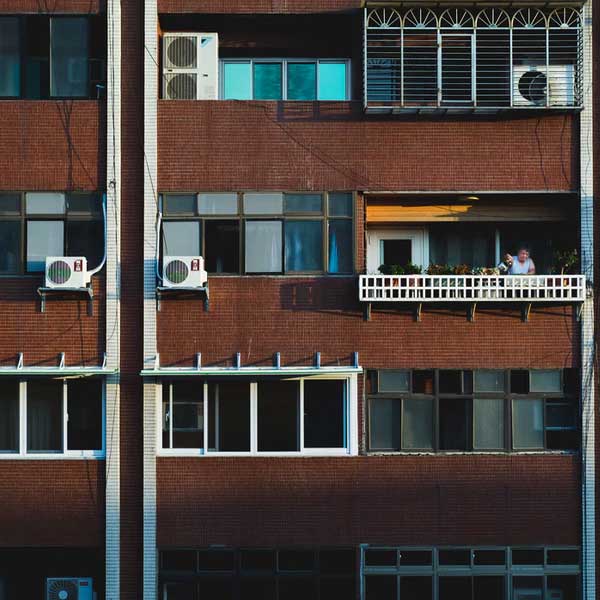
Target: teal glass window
[(267, 81), (302, 81), (237, 80), (332, 81)]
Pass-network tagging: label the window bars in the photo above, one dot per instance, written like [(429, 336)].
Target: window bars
[(493, 59)]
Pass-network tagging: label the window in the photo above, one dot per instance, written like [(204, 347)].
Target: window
[(468, 573), (285, 79), (462, 244), (52, 416), (41, 224), (484, 410), (291, 415), (260, 233), (277, 574), (52, 57)]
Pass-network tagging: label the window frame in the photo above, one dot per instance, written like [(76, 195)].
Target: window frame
[(242, 218), (67, 217), (350, 421), (284, 76), (24, 454), (507, 396)]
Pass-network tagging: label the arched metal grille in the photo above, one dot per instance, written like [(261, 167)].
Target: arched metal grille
[(493, 58)]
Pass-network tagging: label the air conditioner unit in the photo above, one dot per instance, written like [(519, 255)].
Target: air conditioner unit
[(532, 84), (184, 271), (69, 588), (67, 272), (191, 66)]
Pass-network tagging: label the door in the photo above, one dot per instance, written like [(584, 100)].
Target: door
[(456, 72), (397, 247)]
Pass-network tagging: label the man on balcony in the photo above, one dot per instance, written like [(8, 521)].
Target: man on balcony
[(521, 264)]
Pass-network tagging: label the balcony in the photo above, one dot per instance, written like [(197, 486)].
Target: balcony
[(524, 289), (423, 60)]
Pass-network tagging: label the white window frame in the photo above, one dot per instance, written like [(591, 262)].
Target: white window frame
[(65, 453), (284, 62), (350, 424)]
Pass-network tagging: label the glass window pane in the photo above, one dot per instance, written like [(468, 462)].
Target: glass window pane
[(416, 588), (454, 424), (417, 424), (337, 587), (45, 203), (88, 204), (10, 68), (237, 81), (528, 556), (9, 416), (267, 81), (455, 557), (452, 588), (340, 246), (450, 382), (560, 414), (394, 381), (488, 415), (44, 415), (257, 560), (179, 204), (340, 205), (381, 587), (10, 247), (178, 560), (381, 558), (461, 244), (384, 424), (332, 81), (188, 414), (489, 380), (10, 203), (422, 382), (263, 246), (483, 558), (84, 401), (218, 204), (263, 204), (303, 203), (222, 246), (181, 238), (303, 245), (297, 588), (86, 238), (528, 587), (562, 587), (411, 558), (229, 416), (488, 588), (324, 414), (181, 591), (44, 238), (277, 416), (528, 423), (252, 588), (302, 81), (216, 560), (337, 561), (69, 57), (545, 380), (296, 560), (563, 557)]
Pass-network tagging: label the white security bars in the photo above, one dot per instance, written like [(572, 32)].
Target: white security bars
[(472, 288), (458, 58)]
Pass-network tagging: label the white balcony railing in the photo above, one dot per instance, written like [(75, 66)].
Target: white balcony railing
[(472, 288)]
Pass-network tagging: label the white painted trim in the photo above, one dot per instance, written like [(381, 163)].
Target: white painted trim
[(588, 383), (418, 236)]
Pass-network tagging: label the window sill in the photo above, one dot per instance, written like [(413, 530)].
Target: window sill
[(71, 455), (305, 454), (507, 453)]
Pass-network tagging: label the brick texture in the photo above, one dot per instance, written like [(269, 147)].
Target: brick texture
[(52, 6), (52, 503), (52, 145), (64, 326), (334, 146), (380, 500), (256, 6)]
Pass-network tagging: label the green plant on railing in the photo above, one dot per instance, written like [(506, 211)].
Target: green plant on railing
[(486, 271), (440, 270), (566, 261), (462, 270), (407, 269)]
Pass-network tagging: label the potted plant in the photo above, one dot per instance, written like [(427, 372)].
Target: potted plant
[(566, 262)]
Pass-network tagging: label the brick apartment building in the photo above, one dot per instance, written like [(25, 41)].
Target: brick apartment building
[(288, 367)]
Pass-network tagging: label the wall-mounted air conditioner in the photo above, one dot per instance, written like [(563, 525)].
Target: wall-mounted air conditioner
[(191, 66), (184, 272), (67, 272), (69, 588), (532, 84)]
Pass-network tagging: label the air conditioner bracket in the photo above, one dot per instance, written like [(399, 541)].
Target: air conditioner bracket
[(45, 292), (162, 291)]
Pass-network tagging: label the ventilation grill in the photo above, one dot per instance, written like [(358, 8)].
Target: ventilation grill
[(182, 53), (177, 271), (63, 589), (181, 86), (533, 86), (59, 272)]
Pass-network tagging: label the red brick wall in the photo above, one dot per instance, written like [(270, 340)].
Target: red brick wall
[(256, 6), (52, 503), (384, 500), (222, 146), (52, 6), (64, 326), (258, 316), (52, 145)]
